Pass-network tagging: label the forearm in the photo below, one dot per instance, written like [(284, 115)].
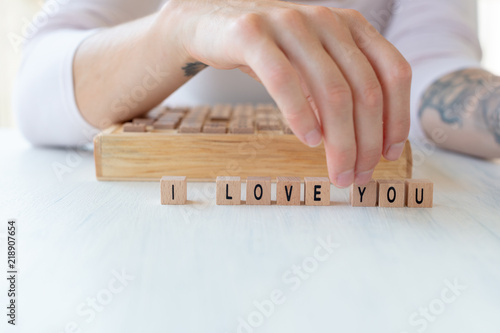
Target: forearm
[(357, 104), (122, 72), (461, 112)]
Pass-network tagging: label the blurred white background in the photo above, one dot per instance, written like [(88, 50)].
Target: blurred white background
[(489, 32), (13, 12)]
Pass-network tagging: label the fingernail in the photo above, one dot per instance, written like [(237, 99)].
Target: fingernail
[(313, 138), (363, 178), (394, 152), (345, 179)]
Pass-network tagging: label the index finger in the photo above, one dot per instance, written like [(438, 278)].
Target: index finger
[(283, 84)]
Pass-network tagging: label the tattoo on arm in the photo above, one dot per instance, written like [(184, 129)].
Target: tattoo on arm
[(193, 68), (463, 94)]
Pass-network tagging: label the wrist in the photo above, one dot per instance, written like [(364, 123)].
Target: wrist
[(168, 31)]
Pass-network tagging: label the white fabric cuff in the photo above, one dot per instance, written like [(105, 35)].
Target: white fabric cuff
[(44, 98)]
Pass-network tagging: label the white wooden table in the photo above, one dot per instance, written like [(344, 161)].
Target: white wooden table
[(207, 268)]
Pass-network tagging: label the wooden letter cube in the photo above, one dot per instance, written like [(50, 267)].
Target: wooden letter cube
[(317, 191), (131, 127), (228, 191), (419, 193), (391, 193), (258, 190), (364, 196), (173, 190), (288, 191)]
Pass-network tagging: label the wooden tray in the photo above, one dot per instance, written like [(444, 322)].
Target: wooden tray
[(147, 156)]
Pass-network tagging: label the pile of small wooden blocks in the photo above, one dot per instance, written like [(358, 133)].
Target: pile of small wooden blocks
[(220, 119), (413, 193)]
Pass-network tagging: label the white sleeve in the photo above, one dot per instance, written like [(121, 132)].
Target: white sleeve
[(437, 37), (44, 100)]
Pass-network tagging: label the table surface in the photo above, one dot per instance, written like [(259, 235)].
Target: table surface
[(107, 257)]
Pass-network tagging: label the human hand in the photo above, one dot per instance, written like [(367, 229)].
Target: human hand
[(330, 72)]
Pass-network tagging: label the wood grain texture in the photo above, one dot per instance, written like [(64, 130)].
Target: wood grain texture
[(164, 125), (419, 193), (391, 193), (364, 196), (134, 127), (258, 191), (268, 125), (202, 157), (216, 127), (190, 127), (316, 191), (221, 112), (243, 110), (241, 126), (288, 191), (228, 190), (173, 190)]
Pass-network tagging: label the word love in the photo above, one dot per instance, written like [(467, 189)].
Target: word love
[(394, 193)]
